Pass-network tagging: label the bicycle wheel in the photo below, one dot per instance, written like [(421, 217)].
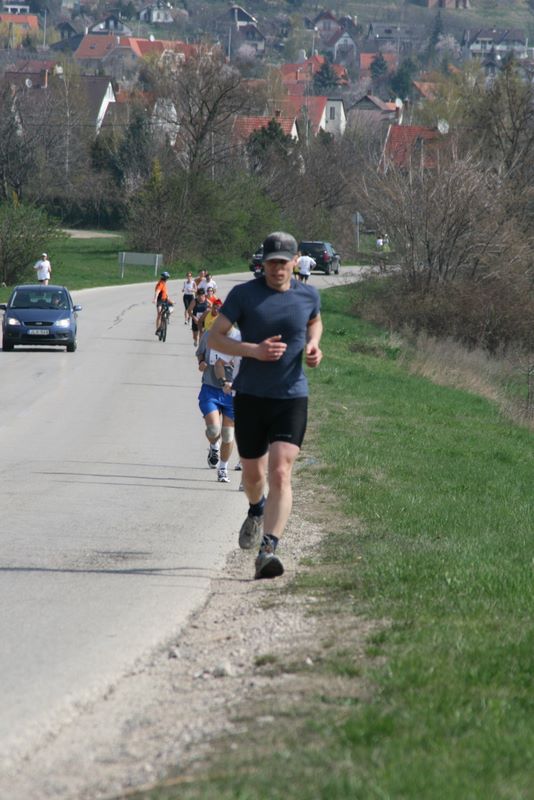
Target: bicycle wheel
[(163, 329)]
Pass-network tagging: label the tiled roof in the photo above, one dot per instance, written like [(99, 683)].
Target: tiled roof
[(366, 59), (245, 126), (383, 105), (427, 89), (336, 36), (407, 142), (30, 21), (295, 88), (307, 69), (500, 35), (313, 106), (97, 46), (31, 67)]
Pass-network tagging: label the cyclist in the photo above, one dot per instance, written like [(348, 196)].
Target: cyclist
[(161, 296)]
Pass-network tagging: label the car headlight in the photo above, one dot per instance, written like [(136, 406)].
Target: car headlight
[(63, 323), (13, 321)]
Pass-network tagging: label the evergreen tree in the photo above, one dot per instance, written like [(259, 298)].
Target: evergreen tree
[(325, 80), (401, 82), (267, 143), (379, 67)]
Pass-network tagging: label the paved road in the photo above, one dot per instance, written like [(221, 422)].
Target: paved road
[(111, 524)]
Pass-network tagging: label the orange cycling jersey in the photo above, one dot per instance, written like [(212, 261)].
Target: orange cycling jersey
[(161, 291)]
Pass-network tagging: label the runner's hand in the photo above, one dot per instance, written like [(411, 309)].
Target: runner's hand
[(271, 349), (313, 355)]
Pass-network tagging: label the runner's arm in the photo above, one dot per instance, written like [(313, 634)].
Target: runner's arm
[(313, 335), (270, 349)]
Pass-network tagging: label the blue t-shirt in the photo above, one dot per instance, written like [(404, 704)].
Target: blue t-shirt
[(261, 312)]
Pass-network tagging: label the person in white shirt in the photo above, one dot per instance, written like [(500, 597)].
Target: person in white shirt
[(305, 264), (189, 290), (43, 269), (207, 282)]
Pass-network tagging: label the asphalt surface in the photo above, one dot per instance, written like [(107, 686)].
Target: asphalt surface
[(111, 523)]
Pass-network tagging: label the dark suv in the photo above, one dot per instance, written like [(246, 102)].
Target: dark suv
[(256, 262), (323, 254)]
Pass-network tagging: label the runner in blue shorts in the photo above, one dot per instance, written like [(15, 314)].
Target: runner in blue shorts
[(280, 324), (217, 408)]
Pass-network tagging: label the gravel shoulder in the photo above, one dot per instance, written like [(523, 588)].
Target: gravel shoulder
[(168, 711)]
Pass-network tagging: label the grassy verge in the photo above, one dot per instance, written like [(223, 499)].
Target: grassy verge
[(83, 263), (432, 531)]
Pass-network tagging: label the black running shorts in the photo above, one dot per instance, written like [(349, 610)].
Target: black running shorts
[(260, 421)]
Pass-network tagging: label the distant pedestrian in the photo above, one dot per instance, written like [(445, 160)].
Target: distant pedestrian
[(43, 269), (305, 264)]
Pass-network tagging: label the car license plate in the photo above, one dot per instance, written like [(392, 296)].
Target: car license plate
[(39, 332)]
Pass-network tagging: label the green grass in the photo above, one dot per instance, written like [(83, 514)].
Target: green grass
[(83, 263), (435, 488)]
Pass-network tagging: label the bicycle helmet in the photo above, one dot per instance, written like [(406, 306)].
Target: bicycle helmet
[(165, 275)]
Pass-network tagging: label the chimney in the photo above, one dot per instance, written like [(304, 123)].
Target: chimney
[(277, 113)]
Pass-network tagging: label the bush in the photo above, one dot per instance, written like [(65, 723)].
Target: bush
[(25, 231), (494, 314)]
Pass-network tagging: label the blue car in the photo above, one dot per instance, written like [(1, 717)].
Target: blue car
[(40, 315)]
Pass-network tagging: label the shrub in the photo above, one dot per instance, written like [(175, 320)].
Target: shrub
[(496, 313)]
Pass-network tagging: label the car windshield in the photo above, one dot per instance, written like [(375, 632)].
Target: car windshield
[(40, 298)]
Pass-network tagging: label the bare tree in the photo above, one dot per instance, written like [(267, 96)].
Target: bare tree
[(204, 93), (17, 146), (447, 222)]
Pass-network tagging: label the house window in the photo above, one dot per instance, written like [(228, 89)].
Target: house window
[(332, 112)]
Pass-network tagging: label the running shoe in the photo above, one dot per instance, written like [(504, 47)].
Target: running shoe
[(267, 564), (238, 466), (213, 457), (250, 533), (222, 475)]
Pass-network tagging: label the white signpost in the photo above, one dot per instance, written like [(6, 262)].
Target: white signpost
[(141, 259)]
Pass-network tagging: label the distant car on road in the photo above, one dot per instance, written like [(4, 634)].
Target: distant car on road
[(324, 255), (40, 315)]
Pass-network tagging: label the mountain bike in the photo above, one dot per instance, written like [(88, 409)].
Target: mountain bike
[(166, 311)]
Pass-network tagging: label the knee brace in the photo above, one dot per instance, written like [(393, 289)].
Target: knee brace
[(213, 431), (227, 434)]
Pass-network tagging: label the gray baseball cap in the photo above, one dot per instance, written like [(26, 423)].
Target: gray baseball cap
[(279, 245)]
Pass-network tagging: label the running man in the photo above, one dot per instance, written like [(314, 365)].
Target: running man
[(196, 309), (217, 407), (279, 320)]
